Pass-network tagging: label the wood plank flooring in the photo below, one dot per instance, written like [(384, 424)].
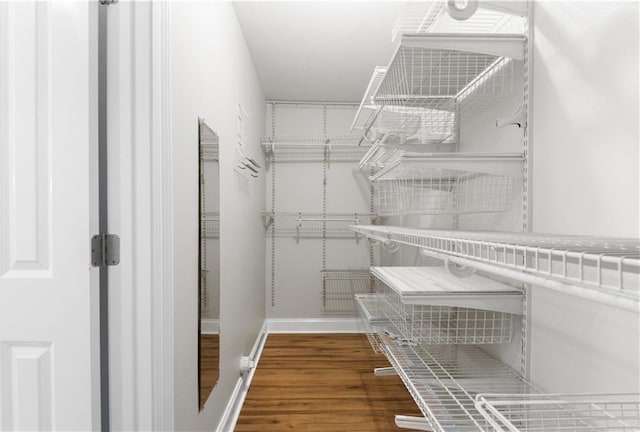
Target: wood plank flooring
[(322, 382), (209, 370)]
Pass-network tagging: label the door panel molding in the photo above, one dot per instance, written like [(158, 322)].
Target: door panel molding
[(25, 112), (27, 385)]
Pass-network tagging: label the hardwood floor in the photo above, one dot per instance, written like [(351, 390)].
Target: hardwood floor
[(209, 369), (322, 382)]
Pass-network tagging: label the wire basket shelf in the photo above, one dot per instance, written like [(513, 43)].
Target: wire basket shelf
[(560, 412), (453, 183), (300, 225), (444, 380), (443, 192), (373, 318), (605, 270), (439, 72), (337, 148), (431, 324), (210, 225), (340, 287), (427, 17)]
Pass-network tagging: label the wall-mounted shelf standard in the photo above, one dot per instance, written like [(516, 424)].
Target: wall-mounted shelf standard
[(428, 17), (336, 148), (444, 379), (340, 287), (211, 225), (447, 183), (560, 412), (299, 225), (606, 270)]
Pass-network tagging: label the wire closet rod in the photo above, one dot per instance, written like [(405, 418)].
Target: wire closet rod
[(290, 102)]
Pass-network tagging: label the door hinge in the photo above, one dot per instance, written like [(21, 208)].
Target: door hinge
[(105, 250)]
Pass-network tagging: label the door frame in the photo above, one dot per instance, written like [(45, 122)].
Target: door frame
[(141, 212)]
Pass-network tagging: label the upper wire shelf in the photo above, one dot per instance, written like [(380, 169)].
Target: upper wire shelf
[(300, 225), (427, 17), (436, 71), (433, 79), (339, 148), (603, 269), (560, 412)]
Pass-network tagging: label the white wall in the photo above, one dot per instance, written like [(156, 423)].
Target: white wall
[(585, 181), (212, 73), (298, 283)]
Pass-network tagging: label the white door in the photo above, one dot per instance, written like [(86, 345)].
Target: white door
[(49, 376)]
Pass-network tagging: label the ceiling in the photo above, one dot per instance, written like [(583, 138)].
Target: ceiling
[(318, 51)]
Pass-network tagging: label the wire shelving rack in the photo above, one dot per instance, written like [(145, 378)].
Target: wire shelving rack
[(445, 379), (439, 287), (560, 412), (606, 270), (414, 104), (447, 183), (429, 306), (340, 288), (307, 225), (337, 148)]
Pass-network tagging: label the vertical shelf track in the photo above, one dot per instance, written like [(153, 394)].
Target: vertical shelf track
[(325, 165), (526, 292), (273, 209)]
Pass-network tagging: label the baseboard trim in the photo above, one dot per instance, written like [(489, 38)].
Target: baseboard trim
[(210, 326), (314, 325), (234, 406)]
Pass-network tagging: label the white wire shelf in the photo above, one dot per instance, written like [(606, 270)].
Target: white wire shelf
[(560, 412), (367, 105), (447, 183), (436, 286), (211, 225), (427, 17), (340, 287), (434, 324), (338, 148), (605, 270), (445, 379), (437, 71), (299, 225)]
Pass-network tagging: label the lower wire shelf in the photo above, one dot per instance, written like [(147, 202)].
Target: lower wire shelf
[(445, 379), (560, 412)]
